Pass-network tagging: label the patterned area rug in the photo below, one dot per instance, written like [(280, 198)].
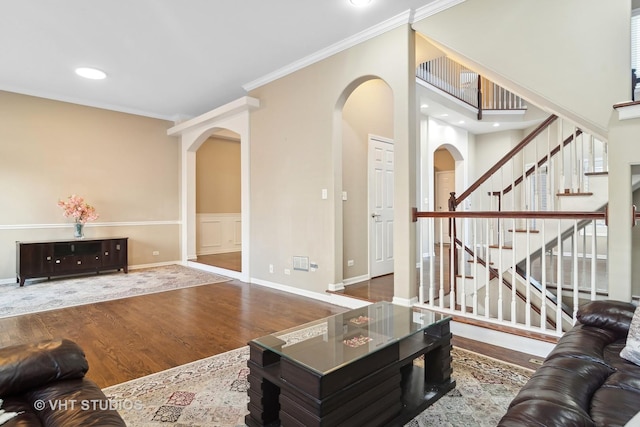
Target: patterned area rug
[(42, 295), (212, 392)]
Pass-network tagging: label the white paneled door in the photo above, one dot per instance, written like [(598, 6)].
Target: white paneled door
[(445, 184), (380, 206)]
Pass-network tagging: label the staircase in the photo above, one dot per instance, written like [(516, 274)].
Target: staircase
[(534, 249)]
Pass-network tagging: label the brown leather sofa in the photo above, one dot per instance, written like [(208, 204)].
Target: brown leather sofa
[(583, 381), (44, 382)]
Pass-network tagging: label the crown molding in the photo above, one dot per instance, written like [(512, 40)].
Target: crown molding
[(383, 27), (83, 102), (407, 17), (434, 8)]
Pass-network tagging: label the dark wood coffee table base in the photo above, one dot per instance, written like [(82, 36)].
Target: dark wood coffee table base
[(384, 388)]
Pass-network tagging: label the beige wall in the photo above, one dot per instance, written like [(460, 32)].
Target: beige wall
[(296, 152), (624, 152), (218, 176), (125, 165), (564, 53), (368, 111), (443, 160)]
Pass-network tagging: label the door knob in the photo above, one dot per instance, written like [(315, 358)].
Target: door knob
[(375, 215)]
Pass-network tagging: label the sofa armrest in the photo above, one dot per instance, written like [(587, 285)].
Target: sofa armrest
[(27, 366), (77, 402), (607, 314)]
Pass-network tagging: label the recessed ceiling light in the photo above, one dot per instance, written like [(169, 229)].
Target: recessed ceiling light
[(495, 125), (444, 115), (91, 73), (424, 106), (360, 3), (461, 122)]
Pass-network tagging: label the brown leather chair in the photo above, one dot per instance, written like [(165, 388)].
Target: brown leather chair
[(44, 382)]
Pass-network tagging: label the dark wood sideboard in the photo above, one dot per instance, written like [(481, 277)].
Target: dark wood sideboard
[(66, 257)]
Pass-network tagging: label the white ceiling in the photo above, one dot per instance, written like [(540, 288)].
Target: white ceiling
[(167, 58)]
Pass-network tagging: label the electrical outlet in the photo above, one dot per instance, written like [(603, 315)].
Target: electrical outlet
[(270, 268), (350, 263), (287, 271), (155, 253)]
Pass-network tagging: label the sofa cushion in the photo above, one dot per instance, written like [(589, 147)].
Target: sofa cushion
[(542, 413), (584, 342), (608, 314), (27, 366), (614, 406), (567, 381), (631, 350)]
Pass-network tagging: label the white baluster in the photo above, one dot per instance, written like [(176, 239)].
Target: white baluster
[(543, 278), (559, 281)]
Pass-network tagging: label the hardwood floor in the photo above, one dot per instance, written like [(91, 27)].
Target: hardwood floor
[(129, 338), (376, 289), (133, 337), (229, 260)]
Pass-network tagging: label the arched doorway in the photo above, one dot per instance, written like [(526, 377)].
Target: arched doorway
[(366, 181), (193, 133), (218, 201), (444, 183)]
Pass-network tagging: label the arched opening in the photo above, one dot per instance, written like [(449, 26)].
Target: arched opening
[(230, 120), (218, 201), (365, 181), (444, 183)]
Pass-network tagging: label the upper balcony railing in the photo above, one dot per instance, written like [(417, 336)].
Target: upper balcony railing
[(468, 86)]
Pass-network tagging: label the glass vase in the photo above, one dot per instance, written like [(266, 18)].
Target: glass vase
[(78, 230)]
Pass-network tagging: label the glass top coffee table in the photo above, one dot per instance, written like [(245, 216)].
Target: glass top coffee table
[(381, 364)]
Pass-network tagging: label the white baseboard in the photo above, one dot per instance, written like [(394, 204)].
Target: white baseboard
[(155, 264), (334, 287), (357, 279), (131, 267), (405, 302), (219, 251), (335, 299), (216, 270)]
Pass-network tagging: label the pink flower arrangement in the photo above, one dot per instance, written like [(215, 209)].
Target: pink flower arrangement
[(75, 207)]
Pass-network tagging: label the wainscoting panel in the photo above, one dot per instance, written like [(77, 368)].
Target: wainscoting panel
[(218, 233)]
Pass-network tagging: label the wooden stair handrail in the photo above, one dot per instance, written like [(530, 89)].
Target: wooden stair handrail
[(541, 162), (515, 150), (570, 215)]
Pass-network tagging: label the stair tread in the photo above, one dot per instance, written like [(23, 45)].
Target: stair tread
[(596, 173), (523, 230), (575, 194), (503, 246), (471, 261)]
